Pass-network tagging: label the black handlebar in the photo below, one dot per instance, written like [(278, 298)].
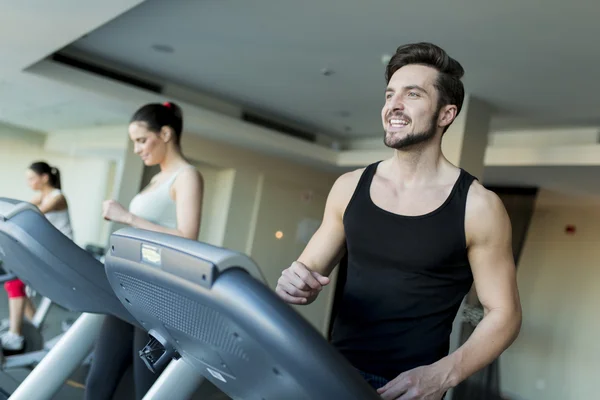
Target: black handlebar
[(6, 276)]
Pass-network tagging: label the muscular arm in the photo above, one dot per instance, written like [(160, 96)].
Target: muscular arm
[(188, 190), (490, 254), (326, 247), (302, 282)]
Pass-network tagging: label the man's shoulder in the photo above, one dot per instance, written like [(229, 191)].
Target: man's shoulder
[(482, 200), (350, 178), (485, 212), (346, 183), (343, 189)]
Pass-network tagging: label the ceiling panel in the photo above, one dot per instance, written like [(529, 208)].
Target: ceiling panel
[(269, 54)]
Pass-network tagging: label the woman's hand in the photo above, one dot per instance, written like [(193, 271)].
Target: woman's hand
[(113, 211)]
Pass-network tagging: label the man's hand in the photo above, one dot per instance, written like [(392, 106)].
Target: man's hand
[(422, 383), (299, 285)]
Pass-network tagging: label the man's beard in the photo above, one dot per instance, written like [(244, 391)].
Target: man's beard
[(412, 140)]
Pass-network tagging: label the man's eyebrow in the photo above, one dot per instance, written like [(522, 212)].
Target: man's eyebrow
[(417, 87), (409, 87)]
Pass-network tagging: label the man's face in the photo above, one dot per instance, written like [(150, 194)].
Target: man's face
[(410, 113)]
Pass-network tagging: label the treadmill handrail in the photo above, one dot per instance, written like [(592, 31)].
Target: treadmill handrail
[(7, 277), (235, 331), (7, 212), (34, 250)]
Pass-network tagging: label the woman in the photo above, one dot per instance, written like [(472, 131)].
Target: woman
[(171, 203), (50, 200)]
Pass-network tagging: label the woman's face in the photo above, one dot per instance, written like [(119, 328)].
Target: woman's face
[(35, 181), (147, 144)]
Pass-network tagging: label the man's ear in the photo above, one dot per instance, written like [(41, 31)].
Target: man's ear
[(447, 115)]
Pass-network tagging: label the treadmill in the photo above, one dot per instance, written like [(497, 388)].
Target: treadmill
[(40, 255), (209, 309)]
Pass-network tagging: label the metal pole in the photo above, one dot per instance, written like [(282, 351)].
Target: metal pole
[(48, 377), (179, 381)]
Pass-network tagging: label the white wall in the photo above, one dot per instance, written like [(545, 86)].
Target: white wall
[(545, 137), (217, 196), (84, 180), (557, 355)]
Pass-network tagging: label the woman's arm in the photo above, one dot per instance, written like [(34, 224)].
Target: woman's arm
[(188, 191), (57, 203), (37, 199)]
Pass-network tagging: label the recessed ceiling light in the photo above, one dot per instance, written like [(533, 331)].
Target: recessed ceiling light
[(327, 72), (162, 48)]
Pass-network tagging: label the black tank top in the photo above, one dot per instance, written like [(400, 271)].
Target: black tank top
[(405, 279)]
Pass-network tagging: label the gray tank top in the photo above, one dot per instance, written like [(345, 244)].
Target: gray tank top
[(156, 205), (60, 219)]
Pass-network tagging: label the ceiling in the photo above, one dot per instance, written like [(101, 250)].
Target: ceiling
[(46, 105), (30, 31), (534, 61)]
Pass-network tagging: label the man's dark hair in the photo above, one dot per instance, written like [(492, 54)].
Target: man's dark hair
[(448, 84)]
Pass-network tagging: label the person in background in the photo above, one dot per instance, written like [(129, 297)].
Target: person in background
[(172, 204), (51, 201)]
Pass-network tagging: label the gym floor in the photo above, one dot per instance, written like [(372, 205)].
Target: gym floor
[(73, 389)]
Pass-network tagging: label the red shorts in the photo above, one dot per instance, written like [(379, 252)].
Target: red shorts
[(15, 288)]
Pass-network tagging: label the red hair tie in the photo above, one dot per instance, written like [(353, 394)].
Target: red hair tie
[(167, 104)]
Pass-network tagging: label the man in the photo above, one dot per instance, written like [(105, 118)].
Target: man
[(418, 232)]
